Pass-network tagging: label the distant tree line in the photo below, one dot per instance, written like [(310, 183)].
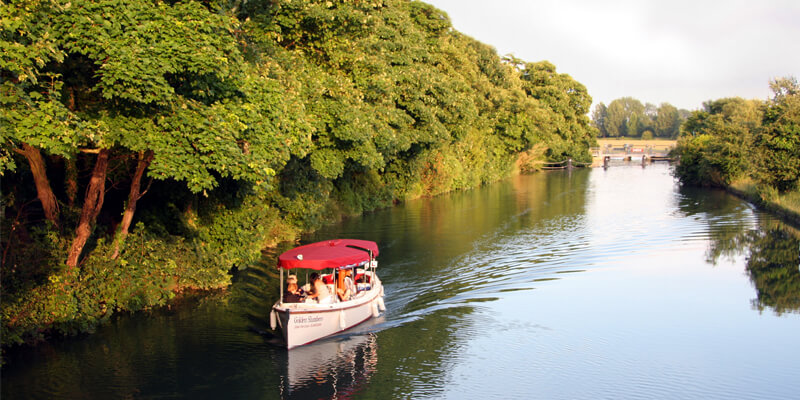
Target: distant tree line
[(150, 147), (628, 117)]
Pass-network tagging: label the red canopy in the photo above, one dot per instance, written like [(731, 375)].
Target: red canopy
[(328, 254)]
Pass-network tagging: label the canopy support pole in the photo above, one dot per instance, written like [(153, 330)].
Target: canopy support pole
[(281, 287)]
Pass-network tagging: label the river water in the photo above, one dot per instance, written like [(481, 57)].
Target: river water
[(597, 283)]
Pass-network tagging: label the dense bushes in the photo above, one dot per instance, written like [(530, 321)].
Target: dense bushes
[(716, 141), (745, 142), (150, 148)]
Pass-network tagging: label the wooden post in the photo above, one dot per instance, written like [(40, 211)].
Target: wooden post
[(606, 161), (569, 164)]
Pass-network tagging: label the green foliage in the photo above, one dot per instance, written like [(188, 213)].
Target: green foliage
[(772, 267), (667, 122), (263, 120), (622, 118), (696, 167), (38, 119), (628, 117), (779, 140), (569, 103), (715, 148), (599, 116), (734, 139)]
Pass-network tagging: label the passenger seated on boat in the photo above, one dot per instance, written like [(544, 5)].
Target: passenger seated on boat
[(362, 278), (292, 294), (319, 292), (363, 281), (345, 288)]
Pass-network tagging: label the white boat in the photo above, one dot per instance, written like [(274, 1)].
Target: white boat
[(308, 321)]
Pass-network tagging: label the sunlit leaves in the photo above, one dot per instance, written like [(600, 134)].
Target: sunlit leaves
[(263, 119), (138, 45), (780, 137), (732, 138), (41, 121), (568, 101)]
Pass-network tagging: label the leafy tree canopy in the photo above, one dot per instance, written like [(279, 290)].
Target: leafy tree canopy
[(207, 129)]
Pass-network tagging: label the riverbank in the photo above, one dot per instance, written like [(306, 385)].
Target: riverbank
[(154, 269), (786, 205)]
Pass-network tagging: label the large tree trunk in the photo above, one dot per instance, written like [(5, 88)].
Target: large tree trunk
[(43, 190), (134, 196), (93, 202)]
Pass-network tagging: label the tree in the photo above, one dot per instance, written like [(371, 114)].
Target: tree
[(717, 141), (779, 141), (615, 119), (635, 125), (96, 91), (569, 101), (667, 121), (624, 117), (599, 116), (650, 111), (208, 129)]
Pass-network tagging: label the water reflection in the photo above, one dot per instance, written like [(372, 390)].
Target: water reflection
[(441, 252), (338, 368), (727, 218), (773, 268), (772, 247), (445, 260)]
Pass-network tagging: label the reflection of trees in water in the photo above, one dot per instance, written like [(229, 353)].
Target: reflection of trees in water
[(773, 269), (724, 215), (773, 248), (772, 263), (432, 244)]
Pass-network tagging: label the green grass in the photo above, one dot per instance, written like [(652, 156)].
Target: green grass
[(786, 204), (790, 201)]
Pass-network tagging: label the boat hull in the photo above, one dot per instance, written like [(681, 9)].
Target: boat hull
[(302, 323)]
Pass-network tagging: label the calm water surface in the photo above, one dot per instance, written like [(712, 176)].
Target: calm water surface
[(592, 284)]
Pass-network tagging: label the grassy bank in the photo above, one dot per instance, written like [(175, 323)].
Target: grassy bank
[(786, 205)]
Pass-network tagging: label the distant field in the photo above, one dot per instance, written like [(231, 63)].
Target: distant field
[(636, 142)]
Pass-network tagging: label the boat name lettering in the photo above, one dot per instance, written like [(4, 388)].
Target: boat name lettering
[(300, 319)]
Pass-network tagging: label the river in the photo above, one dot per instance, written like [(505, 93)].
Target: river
[(596, 283)]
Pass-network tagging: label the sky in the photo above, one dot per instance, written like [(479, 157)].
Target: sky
[(683, 52)]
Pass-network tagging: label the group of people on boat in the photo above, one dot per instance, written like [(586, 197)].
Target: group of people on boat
[(316, 291)]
